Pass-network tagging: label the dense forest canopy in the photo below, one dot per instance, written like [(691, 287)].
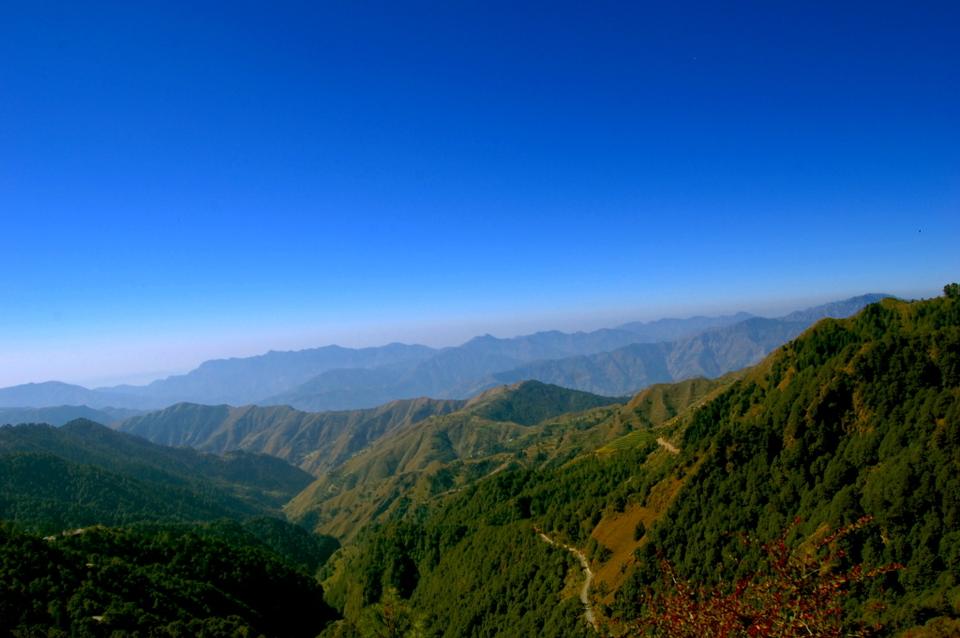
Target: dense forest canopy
[(165, 582)]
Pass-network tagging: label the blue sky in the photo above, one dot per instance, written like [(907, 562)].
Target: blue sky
[(180, 181)]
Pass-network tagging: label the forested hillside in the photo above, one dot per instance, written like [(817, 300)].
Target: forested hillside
[(856, 420), (315, 441), (147, 540), (84, 474), (511, 426), (467, 518), (154, 581)]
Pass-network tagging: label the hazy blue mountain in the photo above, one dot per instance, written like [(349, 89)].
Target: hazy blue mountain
[(717, 345), (336, 378), (711, 353), (462, 371), (63, 414), (348, 389), (673, 329), (247, 380), (237, 380), (451, 374), (614, 373), (629, 369), (836, 309), (54, 393)]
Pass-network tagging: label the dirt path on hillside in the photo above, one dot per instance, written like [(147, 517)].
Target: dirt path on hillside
[(588, 577), (667, 445)]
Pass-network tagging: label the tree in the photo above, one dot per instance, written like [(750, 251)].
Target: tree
[(952, 291), (390, 618), (639, 531), (796, 595)]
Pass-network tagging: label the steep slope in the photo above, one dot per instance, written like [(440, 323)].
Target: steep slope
[(858, 417), (711, 354), (662, 402), (855, 417), (315, 442), (506, 427), (84, 473), (836, 309)]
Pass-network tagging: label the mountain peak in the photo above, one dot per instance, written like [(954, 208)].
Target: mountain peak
[(530, 402)]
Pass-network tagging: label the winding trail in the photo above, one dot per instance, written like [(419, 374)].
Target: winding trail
[(588, 577), (584, 563), (667, 445)]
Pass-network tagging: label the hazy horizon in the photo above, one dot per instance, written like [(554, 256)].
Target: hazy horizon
[(443, 334), (185, 182)]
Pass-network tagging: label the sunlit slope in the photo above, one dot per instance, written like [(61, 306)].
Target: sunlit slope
[(856, 417), (315, 441), (514, 426)]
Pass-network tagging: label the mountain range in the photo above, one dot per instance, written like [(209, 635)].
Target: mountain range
[(480, 516), (61, 414), (613, 362), (321, 441), (836, 456)]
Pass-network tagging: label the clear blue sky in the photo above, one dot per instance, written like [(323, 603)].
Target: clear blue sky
[(180, 181)]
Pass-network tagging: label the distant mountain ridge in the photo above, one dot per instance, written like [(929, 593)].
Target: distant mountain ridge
[(711, 347), (56, 393), (245, 380), (337, 378), (61, 414), (631, 368), (456, 373)]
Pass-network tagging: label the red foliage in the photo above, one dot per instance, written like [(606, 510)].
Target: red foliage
[(797, 594)]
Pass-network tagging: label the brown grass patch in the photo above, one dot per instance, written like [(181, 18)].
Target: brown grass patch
[(616, 534)]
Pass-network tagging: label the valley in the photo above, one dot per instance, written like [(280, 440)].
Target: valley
[(537, 505), (479, 320)]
